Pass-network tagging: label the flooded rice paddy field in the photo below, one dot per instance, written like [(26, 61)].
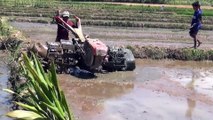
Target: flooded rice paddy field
[(163, 89), (121, 36)]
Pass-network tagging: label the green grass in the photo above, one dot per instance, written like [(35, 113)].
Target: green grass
[(171, 53), (29, 3), (107, 14), (188, 2), (175, 2), (5, 29)]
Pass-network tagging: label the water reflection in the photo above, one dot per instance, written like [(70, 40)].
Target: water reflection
[(191, 103), (144, 93), (87, 97), (4, 97)]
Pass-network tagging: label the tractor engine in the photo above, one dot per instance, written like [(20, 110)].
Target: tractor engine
[(64, 54)]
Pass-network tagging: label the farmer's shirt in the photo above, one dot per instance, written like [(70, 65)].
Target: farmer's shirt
[(196, 20), (62, 32)]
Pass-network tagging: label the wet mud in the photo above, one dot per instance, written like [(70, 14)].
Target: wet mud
[(165, 90), (156, 89), (118, 36)]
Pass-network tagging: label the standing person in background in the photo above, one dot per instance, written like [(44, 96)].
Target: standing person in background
[(196, 24), (63, 32)]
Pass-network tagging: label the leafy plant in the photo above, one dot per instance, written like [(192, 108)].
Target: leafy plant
[(45, 99), (193, 54)]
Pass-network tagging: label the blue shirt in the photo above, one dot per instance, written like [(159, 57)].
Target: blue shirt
[(197, 17)]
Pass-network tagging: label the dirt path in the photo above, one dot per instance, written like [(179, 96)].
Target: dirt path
[(160, 5)]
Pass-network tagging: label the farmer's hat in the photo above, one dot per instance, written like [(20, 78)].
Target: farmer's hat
[(196, 4), (65, 14)]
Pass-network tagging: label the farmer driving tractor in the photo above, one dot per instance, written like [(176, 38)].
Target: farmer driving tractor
[(81, 51), (63, 31)]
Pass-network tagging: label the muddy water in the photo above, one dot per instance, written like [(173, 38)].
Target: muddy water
[(4, 97), (163, 90)]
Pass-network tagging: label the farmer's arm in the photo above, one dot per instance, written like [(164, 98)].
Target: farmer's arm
[(57, 18), (200, 18), (78, 21)]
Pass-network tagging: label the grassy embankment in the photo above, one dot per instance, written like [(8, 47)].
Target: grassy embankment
[(108, 14), (9, 36), (181, 2), (173, 2), (36, 91)]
